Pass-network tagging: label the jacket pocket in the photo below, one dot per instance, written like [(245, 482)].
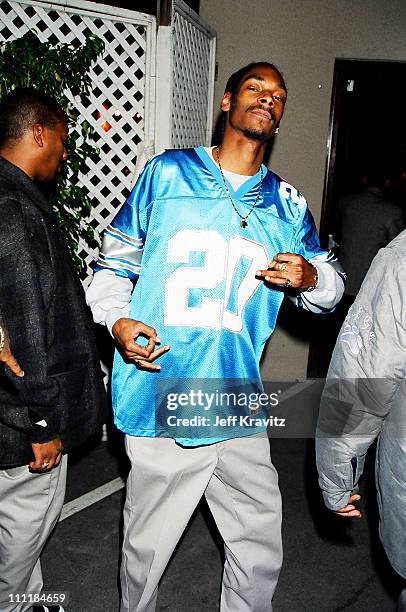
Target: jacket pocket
[(71, 384)]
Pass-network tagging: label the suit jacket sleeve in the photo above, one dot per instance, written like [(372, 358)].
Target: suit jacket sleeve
[(31, 401)]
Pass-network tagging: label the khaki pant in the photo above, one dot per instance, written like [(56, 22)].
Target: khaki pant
[(164, 487), (30, 505)]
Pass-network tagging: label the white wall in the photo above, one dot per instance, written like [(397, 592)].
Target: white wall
[(303, 38)]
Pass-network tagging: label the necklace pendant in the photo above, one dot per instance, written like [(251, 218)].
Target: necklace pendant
[(243, 223)]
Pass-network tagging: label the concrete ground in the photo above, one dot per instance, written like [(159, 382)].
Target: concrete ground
[(330, 564)]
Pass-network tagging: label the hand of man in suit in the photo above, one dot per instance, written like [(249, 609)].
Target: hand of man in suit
[(47, 455), (7, 357)]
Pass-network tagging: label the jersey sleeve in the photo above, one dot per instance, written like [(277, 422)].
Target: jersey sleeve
[(331, 277), (119, 262), (307, 241), (123, 240)]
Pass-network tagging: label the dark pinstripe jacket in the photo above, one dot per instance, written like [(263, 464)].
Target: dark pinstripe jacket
[(43, 309)]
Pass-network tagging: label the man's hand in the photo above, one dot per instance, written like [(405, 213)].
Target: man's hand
[(126, 331), (8, 358), (289, 270), (47, 455), (350, 510)]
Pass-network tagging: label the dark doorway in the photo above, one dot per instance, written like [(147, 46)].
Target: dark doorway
[(367, 120)]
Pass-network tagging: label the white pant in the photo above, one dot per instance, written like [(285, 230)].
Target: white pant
[(165, 485), (30, 505)]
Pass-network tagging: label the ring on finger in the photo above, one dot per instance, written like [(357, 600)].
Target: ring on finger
[(45, 464), (283, 266), (287, 283)]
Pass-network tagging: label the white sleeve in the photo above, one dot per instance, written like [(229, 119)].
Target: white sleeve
[(109, 297), (329, 290), (365, 381)]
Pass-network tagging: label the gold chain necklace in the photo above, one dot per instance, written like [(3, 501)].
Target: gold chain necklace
[(243, 221)]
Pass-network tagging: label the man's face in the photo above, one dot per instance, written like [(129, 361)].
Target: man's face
[(258, 104), (52, 152)]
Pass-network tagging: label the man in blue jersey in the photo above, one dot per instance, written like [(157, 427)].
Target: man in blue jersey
[(213, 240)]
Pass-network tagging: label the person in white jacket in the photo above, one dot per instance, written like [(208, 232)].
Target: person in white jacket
[(364, 400)]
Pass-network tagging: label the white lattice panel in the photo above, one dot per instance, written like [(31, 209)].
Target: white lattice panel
[(192, 81), (185, 80), (120, 103)]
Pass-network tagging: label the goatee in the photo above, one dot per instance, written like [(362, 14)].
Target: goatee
[(256, 134)]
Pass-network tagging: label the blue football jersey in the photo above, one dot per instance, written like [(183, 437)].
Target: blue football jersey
[(180, 239)]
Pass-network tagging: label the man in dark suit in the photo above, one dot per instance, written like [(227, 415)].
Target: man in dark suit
[(59, 401)]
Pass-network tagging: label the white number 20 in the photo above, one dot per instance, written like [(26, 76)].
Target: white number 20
[(222, 262)]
